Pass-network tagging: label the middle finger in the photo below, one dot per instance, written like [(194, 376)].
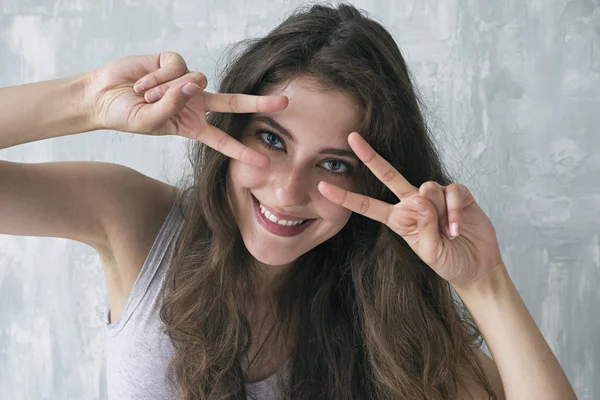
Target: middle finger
[(244, 103), (229, 146)]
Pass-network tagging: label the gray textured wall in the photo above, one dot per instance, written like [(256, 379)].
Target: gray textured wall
[(514, 93)]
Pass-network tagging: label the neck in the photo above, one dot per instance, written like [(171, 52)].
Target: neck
[(272, 277)]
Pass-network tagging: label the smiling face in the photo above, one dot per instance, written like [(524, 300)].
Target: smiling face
[(307, 143)]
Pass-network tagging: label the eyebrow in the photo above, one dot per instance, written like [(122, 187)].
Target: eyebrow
[(323, 150)]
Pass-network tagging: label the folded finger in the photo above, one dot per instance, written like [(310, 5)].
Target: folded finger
[(454, 200), (156, 93), (170, 66), (170, 104)]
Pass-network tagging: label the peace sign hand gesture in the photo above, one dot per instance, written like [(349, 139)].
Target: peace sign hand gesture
[(443, 225), (157, 95)]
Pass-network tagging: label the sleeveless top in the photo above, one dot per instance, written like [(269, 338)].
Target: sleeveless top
[(137, 350)]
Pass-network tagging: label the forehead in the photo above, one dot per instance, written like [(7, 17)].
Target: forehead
[(313, 108)]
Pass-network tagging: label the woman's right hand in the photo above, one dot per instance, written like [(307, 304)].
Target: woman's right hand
[(158, 95)]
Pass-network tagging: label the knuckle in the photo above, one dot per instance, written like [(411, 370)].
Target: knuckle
[(389, 175), (222, 143), (234, 103), (372, 155), (160, 90), (176, 61), (164, 56), (261, 104), (175, 56), (153, 80), (200, 79), (429, 186), (364, 205), (180, 68), (454, 214), (458, 190), (454, 187)]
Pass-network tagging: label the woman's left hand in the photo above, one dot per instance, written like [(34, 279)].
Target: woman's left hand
[(462, 257)]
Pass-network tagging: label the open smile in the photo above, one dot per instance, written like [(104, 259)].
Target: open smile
[(279, 227)]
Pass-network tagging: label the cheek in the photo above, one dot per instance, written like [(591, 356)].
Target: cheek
[(333, 213), (241, 176)]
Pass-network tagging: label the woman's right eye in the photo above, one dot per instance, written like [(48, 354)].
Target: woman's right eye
[(270, 139)]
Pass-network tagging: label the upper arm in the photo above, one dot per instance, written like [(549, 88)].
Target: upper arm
[(491, 371), (55, 199), (72, 200)]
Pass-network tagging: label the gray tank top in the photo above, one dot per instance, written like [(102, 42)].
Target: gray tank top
[(137, 350)]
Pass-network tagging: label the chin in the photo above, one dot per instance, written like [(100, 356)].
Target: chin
[(268, 257)]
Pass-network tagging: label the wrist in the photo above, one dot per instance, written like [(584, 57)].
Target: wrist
[(492, 284), (84, 99)]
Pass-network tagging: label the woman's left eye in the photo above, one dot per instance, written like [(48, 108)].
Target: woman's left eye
[(336, 166)]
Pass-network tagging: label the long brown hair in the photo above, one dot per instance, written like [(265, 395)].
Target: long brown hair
[(375, 322)]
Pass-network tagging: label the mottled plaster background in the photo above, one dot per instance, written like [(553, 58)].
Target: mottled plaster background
[(514, 101)]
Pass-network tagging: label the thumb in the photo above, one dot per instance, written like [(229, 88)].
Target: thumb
[(430, 241)]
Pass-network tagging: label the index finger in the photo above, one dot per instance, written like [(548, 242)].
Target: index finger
[(244, 103), (226, 144), (383, 170)]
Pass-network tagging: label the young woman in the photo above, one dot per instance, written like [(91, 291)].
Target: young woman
[(316, 253)]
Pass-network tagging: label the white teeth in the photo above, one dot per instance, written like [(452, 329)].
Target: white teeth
[(272, 218)]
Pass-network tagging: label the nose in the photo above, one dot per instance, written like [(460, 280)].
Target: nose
[(292, 187)]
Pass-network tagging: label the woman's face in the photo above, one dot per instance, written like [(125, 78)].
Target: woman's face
[(307, 143)]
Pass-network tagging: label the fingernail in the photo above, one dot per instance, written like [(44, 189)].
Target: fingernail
[(454, 229), (190, 89), (152, 95), (140, 86)]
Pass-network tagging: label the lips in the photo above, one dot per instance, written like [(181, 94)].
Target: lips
[(277, 229)]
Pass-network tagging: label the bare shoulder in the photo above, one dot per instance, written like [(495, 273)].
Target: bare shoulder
[(475, 391), (141, 205)]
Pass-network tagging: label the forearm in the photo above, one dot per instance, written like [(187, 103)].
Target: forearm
[(42, 110), (527, 366)]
